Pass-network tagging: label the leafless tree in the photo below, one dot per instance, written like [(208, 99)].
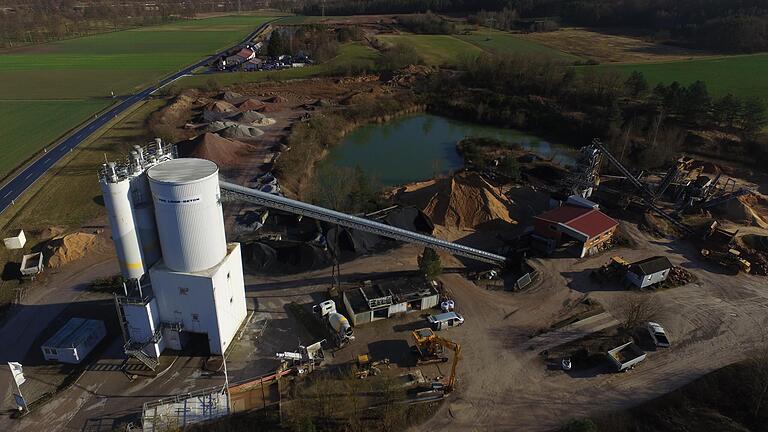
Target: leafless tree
[(636, 309)]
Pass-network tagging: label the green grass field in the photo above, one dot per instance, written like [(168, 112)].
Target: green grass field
[(22, 137), (350, 55), (436, 49), (741, 75), (48, 89), (507, 43)]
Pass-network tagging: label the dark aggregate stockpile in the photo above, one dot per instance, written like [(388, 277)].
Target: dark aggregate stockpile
[(298, 255)]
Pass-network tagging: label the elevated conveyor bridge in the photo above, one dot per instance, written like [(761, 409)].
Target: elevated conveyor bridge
[(238, 192)]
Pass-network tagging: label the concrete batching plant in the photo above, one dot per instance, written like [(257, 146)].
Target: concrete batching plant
[(181, 275)]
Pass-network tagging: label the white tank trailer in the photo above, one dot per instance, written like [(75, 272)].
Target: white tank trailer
[(337, 323), (168, 230)]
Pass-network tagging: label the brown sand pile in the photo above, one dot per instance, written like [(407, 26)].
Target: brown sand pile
[(220, 107), (251, 105), (749, 209), (71, 247), (268, 108), (462, 201), (224, 152)]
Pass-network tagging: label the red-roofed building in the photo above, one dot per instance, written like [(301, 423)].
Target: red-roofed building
[(586, 225)]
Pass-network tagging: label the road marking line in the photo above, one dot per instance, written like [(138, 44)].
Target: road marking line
[(6, 195), (29, 175)]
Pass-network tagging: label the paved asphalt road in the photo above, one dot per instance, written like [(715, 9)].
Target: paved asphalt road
[(13, 189)]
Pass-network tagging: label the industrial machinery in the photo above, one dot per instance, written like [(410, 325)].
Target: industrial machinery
[(430, 348), (730, 259), (617, 266), (337, 324), (168, 230)]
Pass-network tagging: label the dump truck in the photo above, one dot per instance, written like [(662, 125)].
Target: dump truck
[(337, 324), (730, 259), (626, 356)]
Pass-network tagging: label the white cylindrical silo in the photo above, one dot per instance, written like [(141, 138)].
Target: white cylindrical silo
[(144, 217), (117, 200), (188, 212)]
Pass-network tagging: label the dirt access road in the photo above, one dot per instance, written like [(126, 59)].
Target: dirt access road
[(506, 386)]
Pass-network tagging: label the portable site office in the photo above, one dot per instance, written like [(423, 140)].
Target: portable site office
[(73, 342)]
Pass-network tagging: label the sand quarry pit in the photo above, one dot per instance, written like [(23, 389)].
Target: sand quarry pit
[(462, 201), (71, 247)]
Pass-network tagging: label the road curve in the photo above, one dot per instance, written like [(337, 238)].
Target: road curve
[(16, 186)]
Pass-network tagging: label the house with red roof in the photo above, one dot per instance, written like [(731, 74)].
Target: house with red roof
[(578, 221)]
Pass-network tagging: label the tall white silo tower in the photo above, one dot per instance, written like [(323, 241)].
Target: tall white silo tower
[(198, 282)]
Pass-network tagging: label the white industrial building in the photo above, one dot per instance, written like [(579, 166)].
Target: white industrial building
[(168, 230)]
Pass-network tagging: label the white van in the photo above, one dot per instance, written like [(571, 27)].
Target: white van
[(445, 320)]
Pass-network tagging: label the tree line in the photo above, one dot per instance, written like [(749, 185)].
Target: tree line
[(722, 25), (37, 21), (543, 95)]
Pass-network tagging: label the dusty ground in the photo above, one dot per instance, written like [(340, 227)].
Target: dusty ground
[(611, 48)]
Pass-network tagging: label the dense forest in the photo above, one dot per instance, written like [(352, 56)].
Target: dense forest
[(35, 21), (723, 25)]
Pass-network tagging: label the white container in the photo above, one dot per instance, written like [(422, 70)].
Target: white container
[(16, 242), (188, 212), (117, 199)]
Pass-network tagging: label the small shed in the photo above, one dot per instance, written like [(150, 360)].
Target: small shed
[(15, 242), (649, 271), (73, 342)]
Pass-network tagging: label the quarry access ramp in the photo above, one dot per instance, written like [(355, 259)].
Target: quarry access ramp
[(254, 196)]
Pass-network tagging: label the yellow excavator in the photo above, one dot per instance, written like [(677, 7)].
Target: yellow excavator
[(430, 347)]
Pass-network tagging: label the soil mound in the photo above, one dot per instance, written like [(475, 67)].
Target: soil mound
[(220, 107), (276, 99), (218, 125), (268, 108), (254, 118), (230, 96), (71, 247), (241, 132), (463, 201), (250, 105), (749, 209), (211, 146)]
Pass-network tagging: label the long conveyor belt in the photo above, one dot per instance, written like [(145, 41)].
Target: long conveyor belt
[(354, 222)]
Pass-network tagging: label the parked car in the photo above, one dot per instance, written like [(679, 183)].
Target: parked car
[(444, 320), (658, 335)]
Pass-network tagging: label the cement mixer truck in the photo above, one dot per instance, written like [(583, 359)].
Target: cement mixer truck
[(337, 324)]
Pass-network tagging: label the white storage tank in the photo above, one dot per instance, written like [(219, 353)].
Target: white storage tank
[(144, 218), (117, 200), (188, 212)]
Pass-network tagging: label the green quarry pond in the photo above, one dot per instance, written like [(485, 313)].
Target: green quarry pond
[(418, 147)]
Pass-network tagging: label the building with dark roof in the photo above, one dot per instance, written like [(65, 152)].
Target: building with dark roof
[(581, 223), (649, 271)]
